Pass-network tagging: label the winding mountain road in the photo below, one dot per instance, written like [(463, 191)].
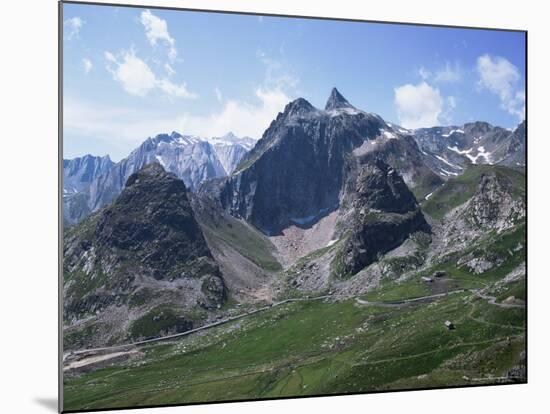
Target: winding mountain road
[(492, 300), (191, 331), (91, 354)]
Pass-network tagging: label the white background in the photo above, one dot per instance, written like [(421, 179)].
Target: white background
[(28, 207)]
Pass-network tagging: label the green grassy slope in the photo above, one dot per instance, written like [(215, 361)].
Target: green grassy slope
[(317, 348), (247, 241), (321, 347)]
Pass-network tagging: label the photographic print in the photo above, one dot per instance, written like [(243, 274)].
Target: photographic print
[(259, 206)]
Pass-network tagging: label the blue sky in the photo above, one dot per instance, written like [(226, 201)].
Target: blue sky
[(130, 73)]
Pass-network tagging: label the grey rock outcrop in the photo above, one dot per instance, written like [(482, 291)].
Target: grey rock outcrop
[(493, 205), (384, 213)]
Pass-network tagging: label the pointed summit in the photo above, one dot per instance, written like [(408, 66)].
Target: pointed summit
[(298, 107), (336, 100), (230, 136)]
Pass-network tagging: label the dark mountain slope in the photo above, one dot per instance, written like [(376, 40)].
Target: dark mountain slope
[(383, 214), (143, 251), (295, 173)]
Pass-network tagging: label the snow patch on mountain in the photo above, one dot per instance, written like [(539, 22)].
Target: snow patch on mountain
[(448, 173), (389, 135), (454, 131), (160, 160), (481, 153), (340, 111), (447, 162)]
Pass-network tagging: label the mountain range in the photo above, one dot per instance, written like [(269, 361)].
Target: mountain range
[(448, 150), (88, 186), (79, 172), (332, 201)]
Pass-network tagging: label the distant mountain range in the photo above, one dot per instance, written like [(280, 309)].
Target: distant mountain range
[(92, 182), (79, 172), (448, 150)]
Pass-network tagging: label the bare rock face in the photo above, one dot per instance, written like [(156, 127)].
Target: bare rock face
[(385, 214), (79, 172), (143, 250), (295, 173), (493, 205), (380, 187), (496, 205)]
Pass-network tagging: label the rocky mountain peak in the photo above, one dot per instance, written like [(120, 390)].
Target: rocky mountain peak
[(153, 218), (151, 173), (477, 128), (81, 171), (385, 213), (230, 136), (298, 107), (520, 129), (337, 101), (147, 247)]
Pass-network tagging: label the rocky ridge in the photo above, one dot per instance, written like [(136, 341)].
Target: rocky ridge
[(144, 251)]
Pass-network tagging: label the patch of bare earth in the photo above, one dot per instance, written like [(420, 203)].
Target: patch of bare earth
[(247, 280), (98, 359), (296, 242)]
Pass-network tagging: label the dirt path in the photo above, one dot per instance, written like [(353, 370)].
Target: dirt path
[(201, 328), (492, 300), (105, 353), (80, 363), (395, 303)]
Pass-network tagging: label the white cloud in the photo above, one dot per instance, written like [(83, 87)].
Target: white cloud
[(499, 76), (112, 123), (157, 29), (169, 69), (110, 57), (446, 116), (218, 93), (137, 78), (246, 118), (173, 89), (133, 73), (88, 66), (124, 128), (243, 118), (418, 105), (450, 73), (424, 73), (277, 75), (72, 27)]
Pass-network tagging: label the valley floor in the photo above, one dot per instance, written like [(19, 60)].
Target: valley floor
[(382, 340)]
